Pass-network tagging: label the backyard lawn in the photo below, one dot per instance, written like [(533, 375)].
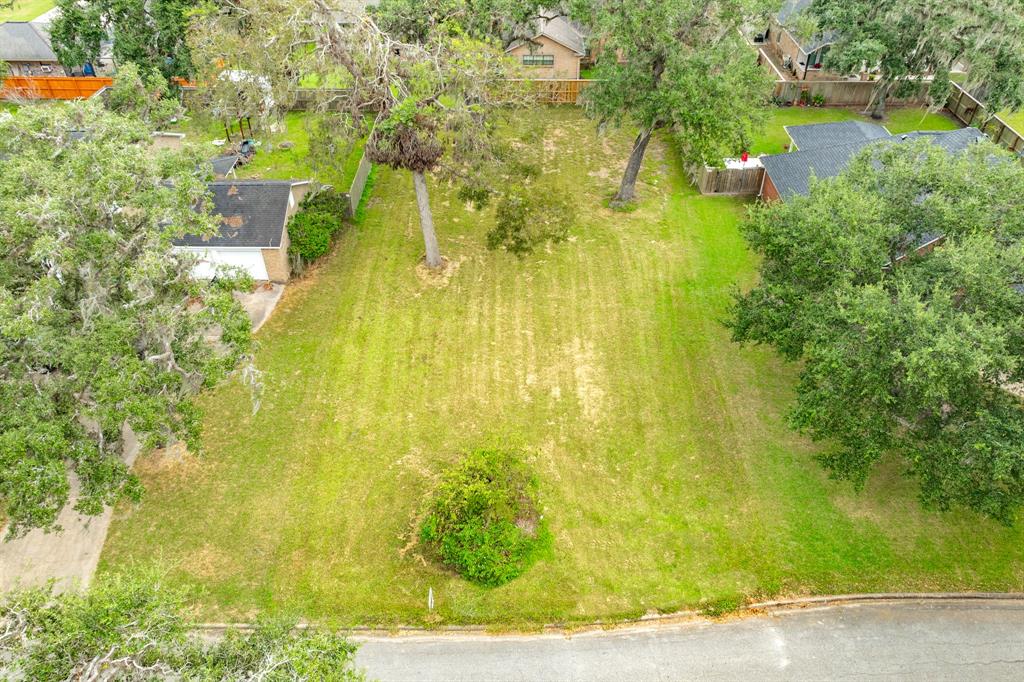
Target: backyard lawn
[(899, 120), (272, 161), (1015, 120), (26, 10), (669, 477)]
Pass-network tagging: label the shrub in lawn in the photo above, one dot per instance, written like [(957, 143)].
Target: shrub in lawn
[(310, 233), (484, 520)]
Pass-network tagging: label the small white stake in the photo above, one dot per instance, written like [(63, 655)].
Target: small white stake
[(430, 598)]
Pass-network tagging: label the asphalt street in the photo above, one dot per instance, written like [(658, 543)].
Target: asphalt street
[(913, 640)]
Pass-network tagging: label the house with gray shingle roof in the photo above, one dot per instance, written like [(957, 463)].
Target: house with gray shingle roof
[(828, 152), (25, 46), (817, 135), (253, 232), (555, 50)]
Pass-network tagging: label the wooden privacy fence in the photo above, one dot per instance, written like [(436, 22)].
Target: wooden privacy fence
[(52, 87), (733, 181), (971, 112), (840, 93), (558, 90)]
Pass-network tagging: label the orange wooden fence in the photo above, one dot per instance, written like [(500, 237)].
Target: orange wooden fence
[(52, 87)]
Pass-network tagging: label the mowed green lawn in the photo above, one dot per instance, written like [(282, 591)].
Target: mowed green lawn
[(1015, 120), (26, 10), (669, 477), (899, 120)]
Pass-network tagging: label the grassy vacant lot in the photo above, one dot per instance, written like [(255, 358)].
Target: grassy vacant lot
[(899, 120), (26, 10), (669, 476), (272, 161)]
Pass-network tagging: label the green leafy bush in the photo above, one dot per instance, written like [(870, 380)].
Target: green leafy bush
[(484, 520), (310, 233), (327, 201)]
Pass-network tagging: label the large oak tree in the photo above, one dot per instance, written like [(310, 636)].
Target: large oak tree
[(680, 65), (915, 45), (148, 33), (904, 351), (102, 326)]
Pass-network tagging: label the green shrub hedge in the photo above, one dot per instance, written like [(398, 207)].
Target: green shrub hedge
[(327, 201), (484, 520), (310, 233)]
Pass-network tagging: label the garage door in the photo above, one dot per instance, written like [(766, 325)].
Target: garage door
[(211, 259)]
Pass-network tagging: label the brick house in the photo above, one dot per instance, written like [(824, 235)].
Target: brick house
[(796, 58), (253, 233), (556, 49), (25, 47)]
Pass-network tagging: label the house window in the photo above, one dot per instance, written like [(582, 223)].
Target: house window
[(538, 60)]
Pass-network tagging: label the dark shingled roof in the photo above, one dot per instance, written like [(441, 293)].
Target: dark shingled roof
[(817, 135), (253, 214), (222, 165), (791, 173), (953, 141), (23, 41)]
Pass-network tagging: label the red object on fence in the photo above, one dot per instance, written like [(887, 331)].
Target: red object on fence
[(744, 156)]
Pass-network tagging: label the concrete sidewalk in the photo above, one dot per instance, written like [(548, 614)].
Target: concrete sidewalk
[(909, 640)]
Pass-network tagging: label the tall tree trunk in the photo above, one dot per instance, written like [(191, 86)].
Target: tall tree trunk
[(426, 220), (878, 112), (627, 190)]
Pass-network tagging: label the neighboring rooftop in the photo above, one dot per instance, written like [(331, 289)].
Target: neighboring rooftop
[(23, 41), (818, 135), (253, 214), (791, 173), (560, 30)]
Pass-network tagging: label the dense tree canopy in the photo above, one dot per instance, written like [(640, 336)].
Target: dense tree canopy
[(101, 323), (149, 33), (905, 351), (916, 44), (680, 65), (415, 21), (136, 627), (145, 96)]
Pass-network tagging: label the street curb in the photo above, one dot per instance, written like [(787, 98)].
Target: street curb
[(648, 620), (802, 602)]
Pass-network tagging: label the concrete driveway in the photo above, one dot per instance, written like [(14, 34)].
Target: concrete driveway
[(913, 640), (260, 302)]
